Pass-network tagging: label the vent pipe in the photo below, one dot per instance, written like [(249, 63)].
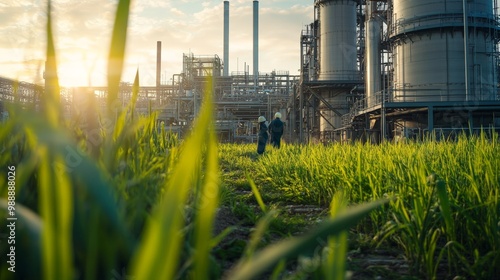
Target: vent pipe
[(256, 39), (372, 53), (226, 38), (158, 63), (158, 70)]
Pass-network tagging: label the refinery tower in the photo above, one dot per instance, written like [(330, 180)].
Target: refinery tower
[(375, 70)]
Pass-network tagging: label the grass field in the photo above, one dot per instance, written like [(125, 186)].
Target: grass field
[(444, 212), (442, 218), (114, 196)]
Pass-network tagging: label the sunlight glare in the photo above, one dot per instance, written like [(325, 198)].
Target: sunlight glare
[(71, 75)]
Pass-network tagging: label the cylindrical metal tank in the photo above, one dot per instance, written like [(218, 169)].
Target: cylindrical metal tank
[(428, 51), (226, 38), (411, 14), (337, 54), (372, 55)]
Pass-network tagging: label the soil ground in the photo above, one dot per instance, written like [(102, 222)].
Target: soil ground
[(361, 263)]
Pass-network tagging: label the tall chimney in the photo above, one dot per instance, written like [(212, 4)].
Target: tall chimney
[(158, 70), (226, 38), (256, 39), (158, 63)]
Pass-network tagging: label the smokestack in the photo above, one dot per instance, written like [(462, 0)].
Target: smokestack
[(226, 38), (256, 39), (158, 63), (158, 70)]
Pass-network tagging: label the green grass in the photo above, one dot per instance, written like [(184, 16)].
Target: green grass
[(107, 196), (446, 206)]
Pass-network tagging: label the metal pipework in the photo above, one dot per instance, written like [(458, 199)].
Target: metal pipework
[(226, 38), (256, 39), (466, 47), (158, 63), (372, 52), (158, 71)]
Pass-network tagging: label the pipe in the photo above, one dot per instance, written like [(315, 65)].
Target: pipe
[(466, 49), (256, 39), (158, 71), (226, 38), (158, 63), (372, 54)]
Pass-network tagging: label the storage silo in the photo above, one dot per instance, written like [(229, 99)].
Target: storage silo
[(373, 39), (337, 57), (429, 55), (337, 52)]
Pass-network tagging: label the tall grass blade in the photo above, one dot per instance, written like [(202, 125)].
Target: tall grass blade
[(135, 93), (55, 199), (122, 122), (56, 207), (444, 204), (256, 193), (209, 194), (92, 245), (258, 233), (159, 253), (51, 98), (74, 163), (280, 267), (93, 130), (116, 55), (271, 255), (334, 267)]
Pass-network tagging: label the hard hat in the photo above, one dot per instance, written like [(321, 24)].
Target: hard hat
[(277, 115), (262, 119)]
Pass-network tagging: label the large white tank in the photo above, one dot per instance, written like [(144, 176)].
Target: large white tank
[(337, 58), (337, 52), (372, 60), (428, 50)]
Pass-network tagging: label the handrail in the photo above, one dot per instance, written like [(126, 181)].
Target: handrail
[(367, 103), (477, 19)]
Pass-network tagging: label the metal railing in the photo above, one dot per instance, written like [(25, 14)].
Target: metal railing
[(410, 95), (362, 105), (476, 19)]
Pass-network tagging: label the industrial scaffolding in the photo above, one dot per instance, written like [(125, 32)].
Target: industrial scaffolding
[(392, 96), (239, 98)]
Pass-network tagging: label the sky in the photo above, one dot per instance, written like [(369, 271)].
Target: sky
[(82, 34)]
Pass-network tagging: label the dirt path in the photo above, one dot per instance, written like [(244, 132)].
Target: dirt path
[(361, 264)]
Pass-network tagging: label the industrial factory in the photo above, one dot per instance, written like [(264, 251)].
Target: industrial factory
[(374, 70), (369, 71)]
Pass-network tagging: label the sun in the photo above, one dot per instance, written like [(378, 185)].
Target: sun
[(79, 72), (72, 74)]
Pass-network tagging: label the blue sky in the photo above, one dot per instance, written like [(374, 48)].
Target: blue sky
[(82, 34)]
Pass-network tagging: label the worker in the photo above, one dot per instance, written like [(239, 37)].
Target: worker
[(263, 136), (276, 128)]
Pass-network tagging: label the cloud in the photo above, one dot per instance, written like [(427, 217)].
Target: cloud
[(177, 12), (82, 34)]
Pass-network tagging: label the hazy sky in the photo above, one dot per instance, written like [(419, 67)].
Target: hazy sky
[(83, 30)]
